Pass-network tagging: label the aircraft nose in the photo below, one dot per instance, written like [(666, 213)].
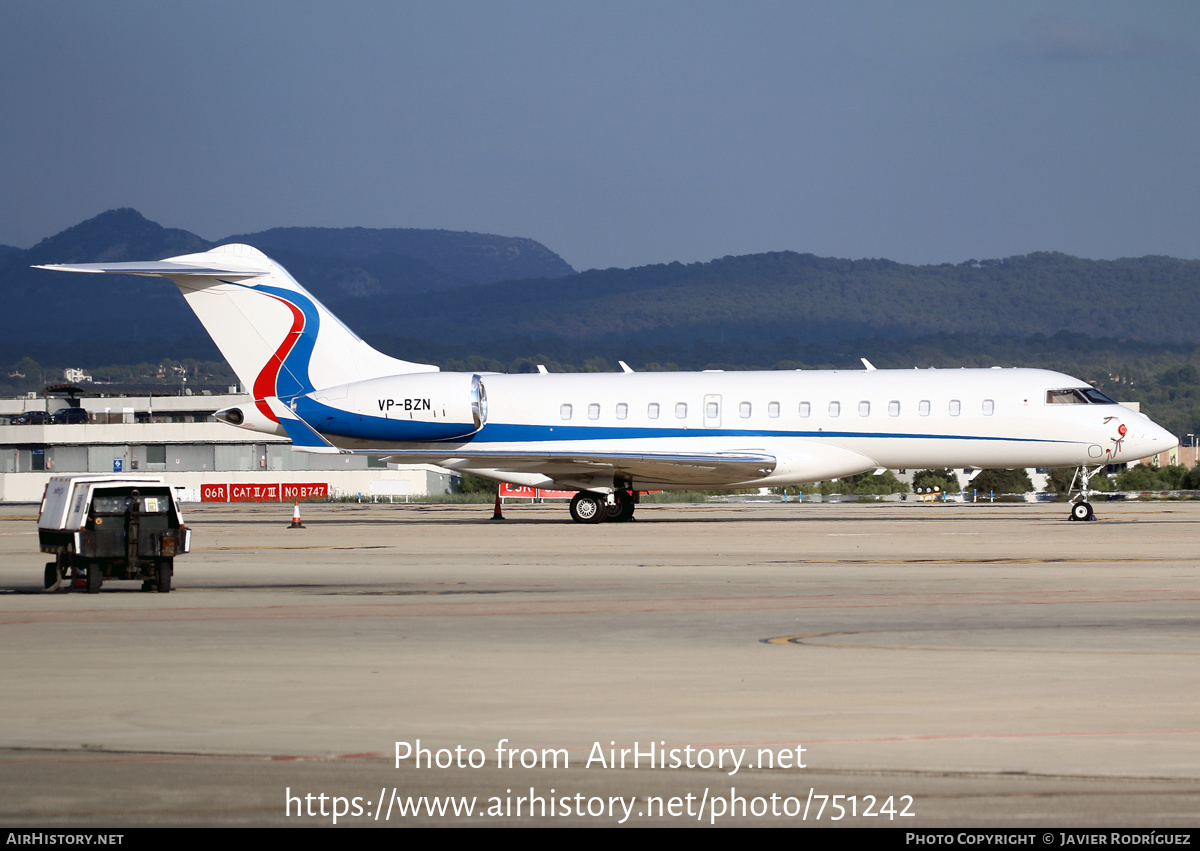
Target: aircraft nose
[(1153, 439), (1161, 439)]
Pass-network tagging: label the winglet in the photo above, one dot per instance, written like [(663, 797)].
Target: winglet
[(870, 367)]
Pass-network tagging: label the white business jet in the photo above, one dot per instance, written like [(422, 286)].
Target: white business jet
[(609, 436)]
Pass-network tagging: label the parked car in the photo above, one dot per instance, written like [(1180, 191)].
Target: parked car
[(67, 416), (31, 418)]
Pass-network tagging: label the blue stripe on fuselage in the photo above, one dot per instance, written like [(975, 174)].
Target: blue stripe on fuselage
[(521, 433), (334, 421)]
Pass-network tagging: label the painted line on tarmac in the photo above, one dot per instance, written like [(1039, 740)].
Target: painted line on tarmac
[(441, 606), (810, 641), (304, 547), (958, 560)]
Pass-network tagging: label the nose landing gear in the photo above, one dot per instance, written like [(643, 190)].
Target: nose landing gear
[(1081, 508)]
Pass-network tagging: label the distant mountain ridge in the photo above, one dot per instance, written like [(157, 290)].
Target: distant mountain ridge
[(475, 257), (59, 312), (425, 307), (445, 259), (757, 299), (113, 237)]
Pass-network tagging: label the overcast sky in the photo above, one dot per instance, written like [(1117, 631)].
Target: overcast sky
[(618, 134)]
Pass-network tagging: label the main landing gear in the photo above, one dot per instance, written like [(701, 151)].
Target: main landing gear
[(1081, 509), (589, 507)]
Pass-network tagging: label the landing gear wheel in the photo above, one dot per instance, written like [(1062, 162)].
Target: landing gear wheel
[(1082, 511), (588, 507), (165, 570), (621, 510), (94, 579), (53, 576)]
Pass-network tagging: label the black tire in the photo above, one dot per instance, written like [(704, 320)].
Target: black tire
[(1082, 511), (621, 511), (52, 579), (165, 569), (588, 507), (94, 579)]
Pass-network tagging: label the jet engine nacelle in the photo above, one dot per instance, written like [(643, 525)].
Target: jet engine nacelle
[(811, 461), (398, 409)]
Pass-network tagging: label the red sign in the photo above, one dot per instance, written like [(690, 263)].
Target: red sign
[(307, 491), (269, 492), (254, 493), (521, 492)]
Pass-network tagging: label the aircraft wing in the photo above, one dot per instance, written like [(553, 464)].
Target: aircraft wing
[(705, 468)]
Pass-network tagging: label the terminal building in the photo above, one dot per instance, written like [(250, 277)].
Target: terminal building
[(177, 437)]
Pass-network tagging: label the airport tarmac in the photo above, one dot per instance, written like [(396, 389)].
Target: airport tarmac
[(968, 665)]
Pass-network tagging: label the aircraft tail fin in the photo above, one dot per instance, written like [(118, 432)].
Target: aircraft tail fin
[(278, 338)]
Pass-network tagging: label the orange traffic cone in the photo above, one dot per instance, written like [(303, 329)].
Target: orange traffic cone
[(496, 513), (296, 524)]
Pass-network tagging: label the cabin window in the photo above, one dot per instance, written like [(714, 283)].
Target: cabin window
[(680, 410), (923, 408), (712, 410), (773, 410), (894, 408), (652, 410), (864, 409), (805, 409), (744, 410), (955, 407), (622, 410), (835, 409), (565, 412), (989, 407), (593, 411)]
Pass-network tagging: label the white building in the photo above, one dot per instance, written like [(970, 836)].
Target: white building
[(177, 436)]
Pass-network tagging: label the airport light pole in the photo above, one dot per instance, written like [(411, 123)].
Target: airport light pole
[(1192, 438)]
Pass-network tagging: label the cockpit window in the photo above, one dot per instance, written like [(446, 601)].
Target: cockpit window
[(1065, 397), (1097, 398), (1077, 396)]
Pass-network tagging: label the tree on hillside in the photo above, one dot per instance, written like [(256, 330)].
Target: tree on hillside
[(1002, 481), (866, 484), (31, 369), (1059, 479), (1143, 477), (944, 479), (476, 484)]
